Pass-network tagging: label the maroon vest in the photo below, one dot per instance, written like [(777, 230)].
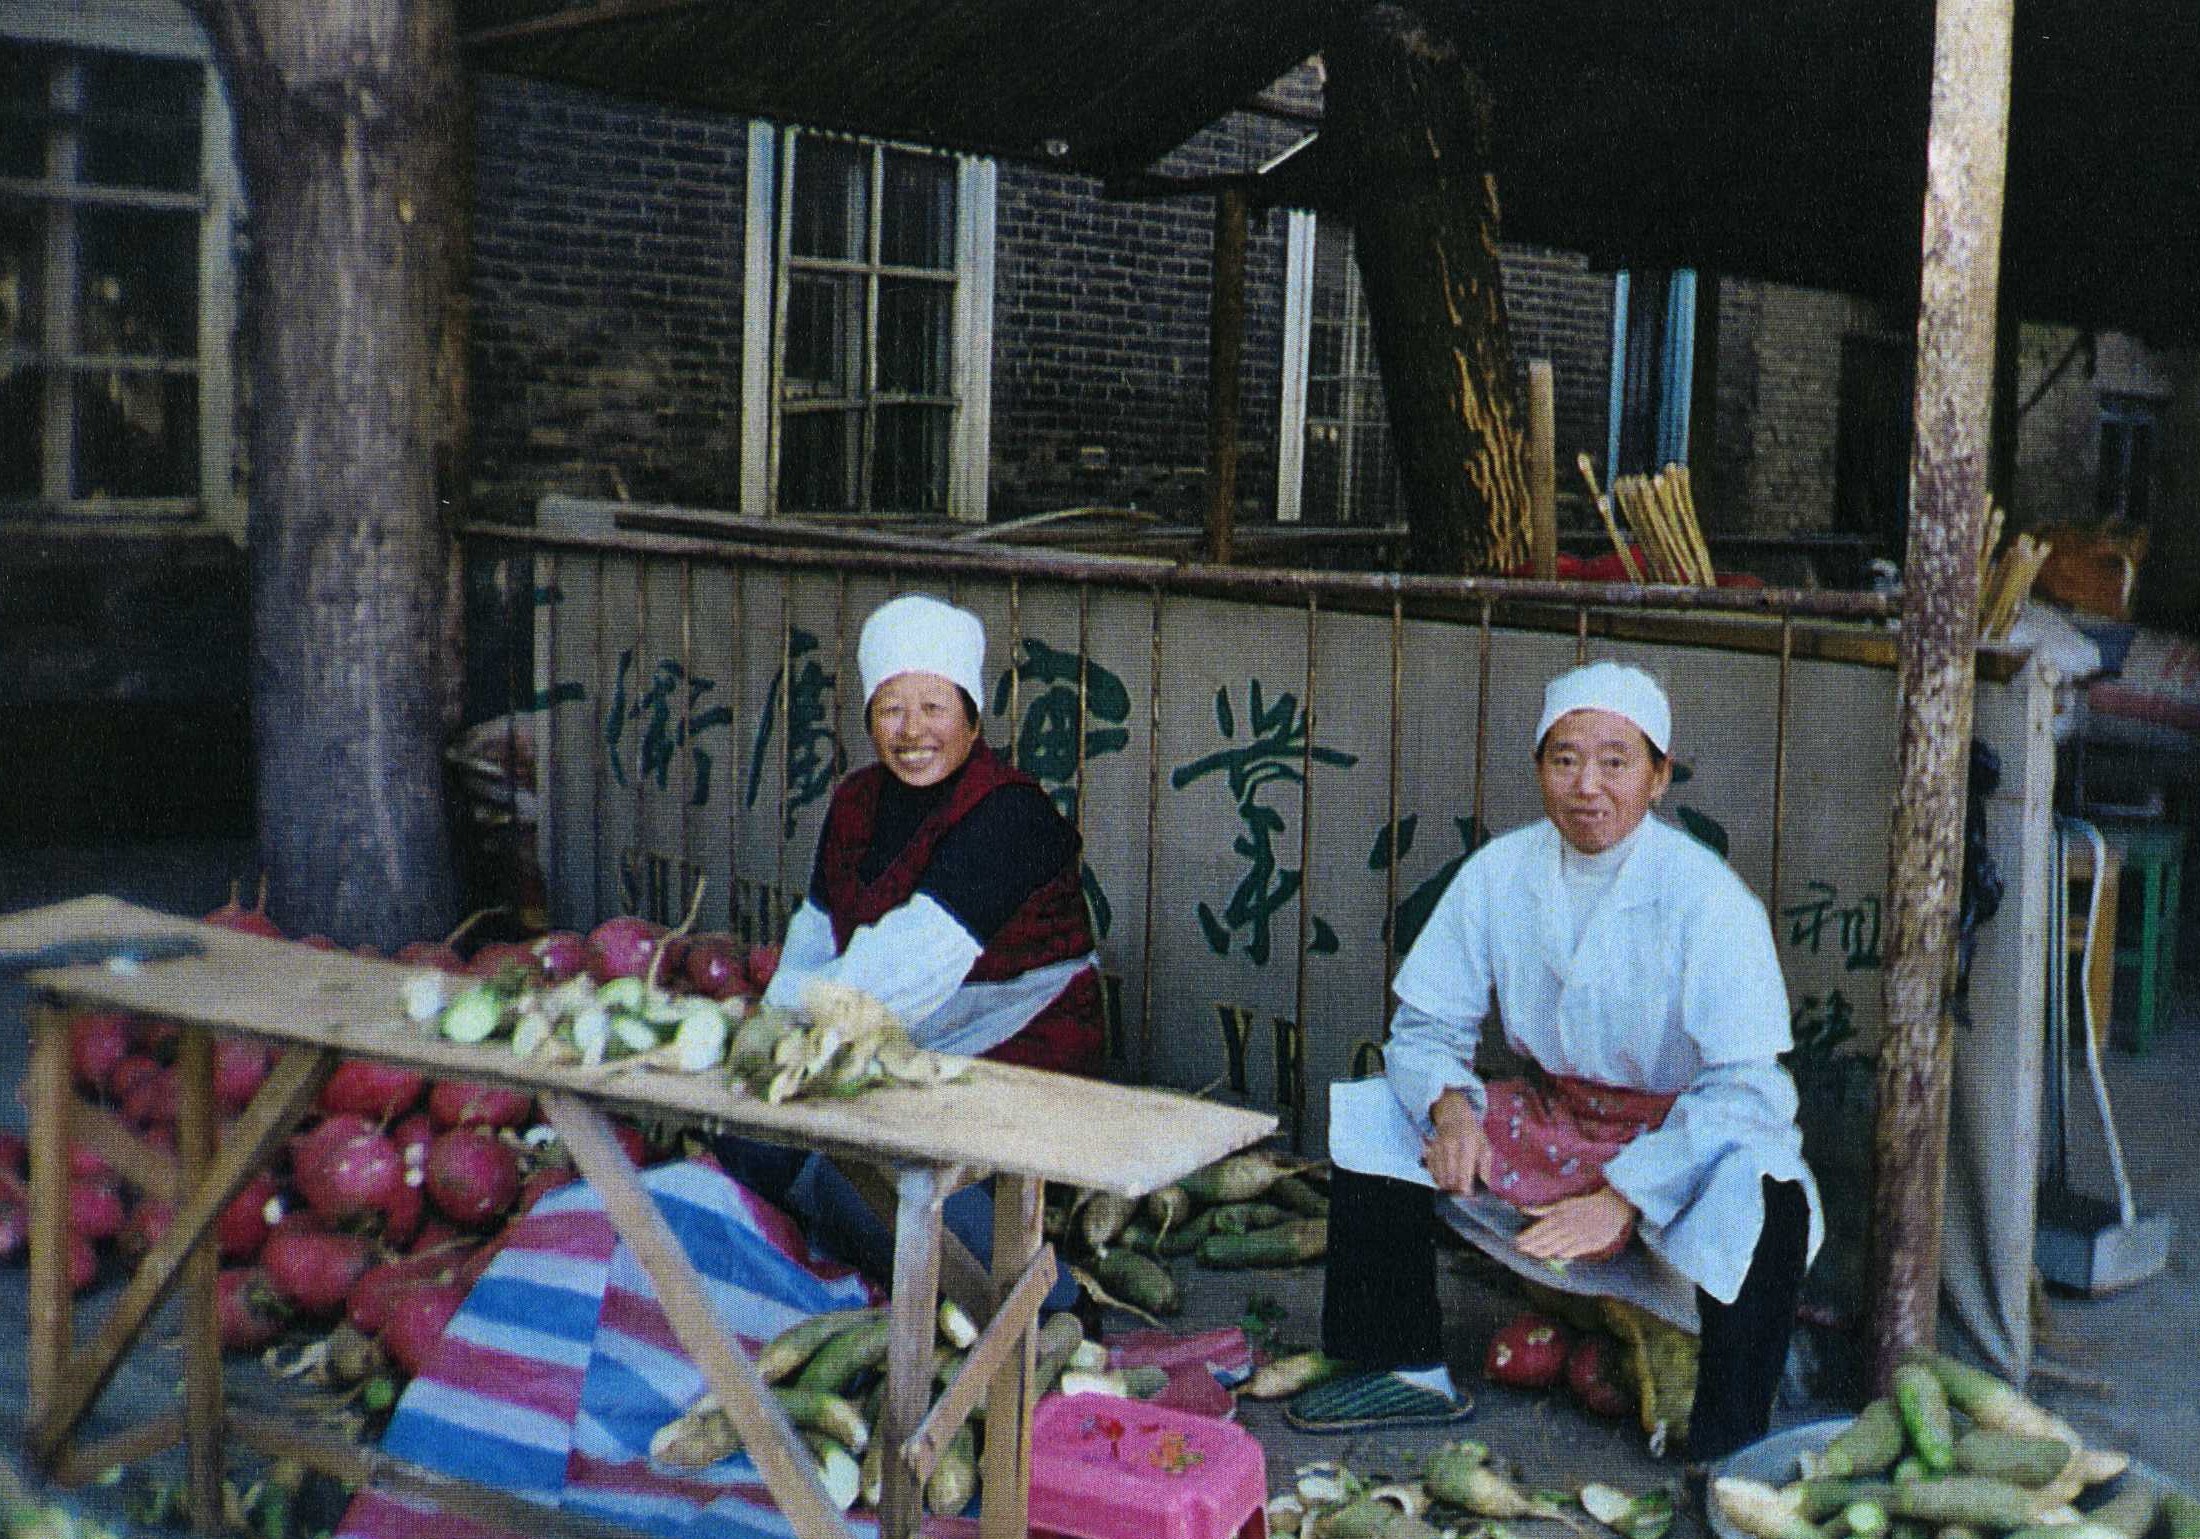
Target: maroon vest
[(1052, 926)]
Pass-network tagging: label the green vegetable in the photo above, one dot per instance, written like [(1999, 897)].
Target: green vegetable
[(1868, 1445), (960, 1331), (1820, 1499), (473, 1016), (1240, 1178), (2026, 1461), (1059, 1337), (1759, 1511), (786, 1352), (1647, 1516), (1139, 1280), (1292, 1244), (1925, 1417), (2130, 1512), (837, 1363), (1989, 1402), (1866, 1518), (837, 1469), (1298, 1194), (1185, 1237), (954, 1480), (1169, 1206), (1286, 1376), (2180, 1515), (1908, 1468), (1976, 1501), (819, 1410), (1245, 1217), (1102, 1218)]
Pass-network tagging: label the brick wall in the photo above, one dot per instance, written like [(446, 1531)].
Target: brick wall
[(1560, 309)]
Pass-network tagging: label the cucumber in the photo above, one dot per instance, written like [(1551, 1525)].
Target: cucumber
[(1866, 1519), (1925, 1416), (1169, 1206), (1245, 1217), (1140, 1236), (786, 1352), (1298, 1194), (846, 1355), (1102, 1218), (1139, 1280), (954, 1480), (1820, 1499), (1976, 1501), (2026, 1461), (820, 1410), (1186, 1237), (1059, 1337), (1286, 1376), (1292, 1244), (836, 1469), (1869, 1444), (1240, 1178)]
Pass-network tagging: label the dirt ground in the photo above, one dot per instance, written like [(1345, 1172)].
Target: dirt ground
[(2123, 1368)]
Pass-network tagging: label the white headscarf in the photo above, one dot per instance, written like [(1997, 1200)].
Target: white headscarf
[(1613, 687), (917, 633)]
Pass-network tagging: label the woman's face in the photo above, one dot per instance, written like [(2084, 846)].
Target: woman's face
[(920, 729), (1598, 778)]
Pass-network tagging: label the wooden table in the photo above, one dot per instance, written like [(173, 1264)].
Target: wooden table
[(1020, 1126)]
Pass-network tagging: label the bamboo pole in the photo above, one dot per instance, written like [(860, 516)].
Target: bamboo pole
[(1588, 470), (1542, 470), (1966, 163)]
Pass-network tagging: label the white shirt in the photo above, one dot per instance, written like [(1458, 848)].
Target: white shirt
[(1674, 986)]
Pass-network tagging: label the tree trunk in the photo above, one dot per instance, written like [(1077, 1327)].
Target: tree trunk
[(1413, 130), (349, 119)]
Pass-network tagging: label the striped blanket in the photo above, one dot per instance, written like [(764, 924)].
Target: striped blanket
[(551, 1380)]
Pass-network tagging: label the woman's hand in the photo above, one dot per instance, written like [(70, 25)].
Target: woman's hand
[(1457, 1155), (1579, 1226)]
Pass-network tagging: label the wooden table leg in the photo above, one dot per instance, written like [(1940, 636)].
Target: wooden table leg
[(46, 1094), (1016, 1239), (202, 1342), (920, 1190)]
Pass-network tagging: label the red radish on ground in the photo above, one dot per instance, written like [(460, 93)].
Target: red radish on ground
[(98, 1040), (1529, 1352), (406, 1210), (153, 1100), (156, 1036), (416, 1321), (623, 948), (233, 915), (1592, 1373), (132, 1071), (383, 1284), (354, 1170), (498, 955), (472, 1178), (95, 1210), (251, 1313), (441, 955), (459, 1103), (312, 1269), (381, 1091), (438, 1232), (241, 1228), (83, 1264)]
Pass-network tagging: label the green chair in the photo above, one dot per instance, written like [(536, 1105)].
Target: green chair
[(2154, 851)]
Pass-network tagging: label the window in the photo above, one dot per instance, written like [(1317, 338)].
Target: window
[(1336, 465), (2124, 483), (116, 195), (873, 356)]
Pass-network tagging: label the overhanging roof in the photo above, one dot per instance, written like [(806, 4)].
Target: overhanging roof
[(1780, 139)]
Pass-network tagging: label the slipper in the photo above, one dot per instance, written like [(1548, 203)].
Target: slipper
[(1375, 1399)]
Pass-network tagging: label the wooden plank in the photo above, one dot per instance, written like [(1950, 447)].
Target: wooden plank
[(766, 1433), (1542, 470), (283, 1100), (46, 1095), (1015, 1320), (135, 1160), (919, 1190), (1119, 1138), (202, 1337), (82, 1465), (963, 1277), (1017, 1234)]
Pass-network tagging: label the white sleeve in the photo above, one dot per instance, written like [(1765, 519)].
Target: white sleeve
[(806, 951), (1443, 990), (911, 960), (1426, 1057)]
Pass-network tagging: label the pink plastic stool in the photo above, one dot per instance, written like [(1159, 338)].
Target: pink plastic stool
[(1104, 1468)]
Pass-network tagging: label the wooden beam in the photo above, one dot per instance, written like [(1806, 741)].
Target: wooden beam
[(1225, 360), (135, 1160), (196, 1118), (1017, 1233), (1017, 1316), (82, 1465), (963, 1276), (920, 1190), (1966, 163), (46, 1096), (765, 1432), (1542, 471)]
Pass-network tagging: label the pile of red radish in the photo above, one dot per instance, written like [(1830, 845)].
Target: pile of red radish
[(389, 1201), (1534, 1351)]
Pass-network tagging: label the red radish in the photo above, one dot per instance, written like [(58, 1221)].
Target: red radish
[(346, 1167), (438, 1232), (83, 1264), (369, 1306), (763, 964), (233, 915), (406, 1210), (153, 1099), (313, 1269), (1592, 1374), (541, 1183), (88, 1164), (14, 1153), (156, 1037), (631, 1140), (714, 967), (412, 1137), (459, 1103), (437, 954), (561, 954), (382, 1091), (15, 1230), (148, 1226), (1527, 1353), (241, 1228), (472, 1177), (98, 1040), (240, 1068), (131, 1072), (498, 955), (623, 947), (95, 1210), (251, 1314), (416, 1322)]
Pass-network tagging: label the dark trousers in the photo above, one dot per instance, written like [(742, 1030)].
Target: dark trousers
[(1379, 1304)]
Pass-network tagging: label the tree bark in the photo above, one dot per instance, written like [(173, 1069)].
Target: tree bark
[(1966, 165), (349, 126), (1412, 126)]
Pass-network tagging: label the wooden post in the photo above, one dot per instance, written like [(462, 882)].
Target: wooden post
[(202, 1332), (46, 1096), (1017, 1238), (921, 1190), (1542, 470), (1225, 353), (1966, 161)]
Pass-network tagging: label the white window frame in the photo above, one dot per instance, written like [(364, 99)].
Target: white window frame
[(762, 319), (155, 29), (1301, 234)]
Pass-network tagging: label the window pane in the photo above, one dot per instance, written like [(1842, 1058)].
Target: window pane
[(818, 451), (137, 435), (19, 417), (23, 73), (832, 197), (909, 461), (140, 283), (824, 356), (913, 333), (141, 122), (919, 221), (22, 235)]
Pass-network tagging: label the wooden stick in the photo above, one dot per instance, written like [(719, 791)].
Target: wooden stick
[(47, 1096), (1588, 470), (1006, 1464), (909, 1344), (766, 1434), (1542, 471), (1018, 1313), (196, 1117), (1642, 511), (1684, 494), (963, 1276), (133, 1158), (148, 1439), (283, 1100)]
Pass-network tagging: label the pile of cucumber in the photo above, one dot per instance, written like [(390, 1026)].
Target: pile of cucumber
[(1255, 1209), (1955, 1453)]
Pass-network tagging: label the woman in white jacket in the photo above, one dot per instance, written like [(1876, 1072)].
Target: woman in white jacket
[(1637, 975)]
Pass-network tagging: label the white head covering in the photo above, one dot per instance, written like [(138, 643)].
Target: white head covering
[(1613, 687), (918, 633)]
